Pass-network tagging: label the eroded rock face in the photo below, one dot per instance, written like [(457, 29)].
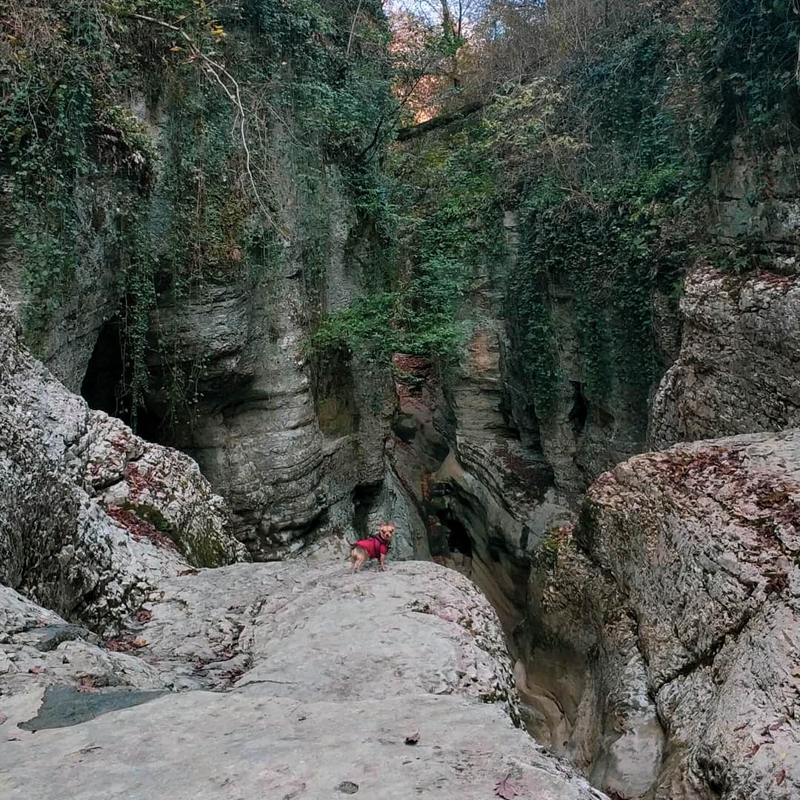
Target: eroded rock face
[(91, 514), (689, 584), (288, 441), (737, 371), (320, 677)]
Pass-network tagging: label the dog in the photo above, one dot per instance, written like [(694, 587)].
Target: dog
[(374, 547)]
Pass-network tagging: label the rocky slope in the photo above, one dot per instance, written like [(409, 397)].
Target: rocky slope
[(91, 515), (319, 678)]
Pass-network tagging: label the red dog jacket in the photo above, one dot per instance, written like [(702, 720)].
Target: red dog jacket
[(374, 546)]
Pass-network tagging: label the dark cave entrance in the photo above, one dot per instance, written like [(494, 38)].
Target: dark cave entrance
[(107, 377), (456, 534), (104, 378), (579, 412)]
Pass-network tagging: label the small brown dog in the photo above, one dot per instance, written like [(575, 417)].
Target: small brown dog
[(373, 547)]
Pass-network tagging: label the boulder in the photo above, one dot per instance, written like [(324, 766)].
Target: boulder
[(678, 600), (738, 370), (703, 541)]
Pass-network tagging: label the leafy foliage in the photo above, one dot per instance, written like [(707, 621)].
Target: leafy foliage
[(194, 183), (449, 232)]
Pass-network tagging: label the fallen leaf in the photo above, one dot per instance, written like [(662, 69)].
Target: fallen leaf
[(753, 750), (506, 788), (36, 670), (413, 738), (139, 642), (780, 776), (776, 725)]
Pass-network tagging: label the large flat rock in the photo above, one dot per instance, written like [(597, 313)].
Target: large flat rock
[(292, 681)]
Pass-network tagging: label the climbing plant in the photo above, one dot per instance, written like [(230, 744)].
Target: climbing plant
[(220, 94)]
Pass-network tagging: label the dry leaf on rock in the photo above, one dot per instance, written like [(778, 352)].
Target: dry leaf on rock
[(87, 684), (506, 788)]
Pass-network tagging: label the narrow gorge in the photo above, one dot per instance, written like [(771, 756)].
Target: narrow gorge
[(519, 276)]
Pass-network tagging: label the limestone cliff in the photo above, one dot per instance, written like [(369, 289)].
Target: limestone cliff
[(737, 371), (91, 514), (674, 604), (170, 247)]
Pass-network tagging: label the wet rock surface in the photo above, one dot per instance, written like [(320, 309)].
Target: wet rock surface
[(320, 677)]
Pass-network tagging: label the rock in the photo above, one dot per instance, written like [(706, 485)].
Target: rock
[(339, 669), (405, 428), (287, 442), (687, 572), (61, 541), (738, 370)]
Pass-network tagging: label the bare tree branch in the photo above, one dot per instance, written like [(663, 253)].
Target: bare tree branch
[(234, 94), (413, 131), (352, 30)]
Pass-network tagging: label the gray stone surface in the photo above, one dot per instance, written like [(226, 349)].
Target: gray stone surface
[(699, 545), (333, 672), (738, 370), (286, 441), (90, 514), (71, 327)]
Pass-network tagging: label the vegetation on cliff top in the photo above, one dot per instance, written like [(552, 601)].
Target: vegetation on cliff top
[(601, 124), (150, 133), (173, 122)]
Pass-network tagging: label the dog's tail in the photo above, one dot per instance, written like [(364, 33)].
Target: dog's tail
[(350, 545)]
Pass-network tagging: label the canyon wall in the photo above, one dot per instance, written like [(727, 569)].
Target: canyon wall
[(200, 243), (92, 515)]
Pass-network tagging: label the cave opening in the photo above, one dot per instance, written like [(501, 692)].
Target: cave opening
[(365, 498), (458, 539), (105, 382), (102, 386), (579, 412)]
